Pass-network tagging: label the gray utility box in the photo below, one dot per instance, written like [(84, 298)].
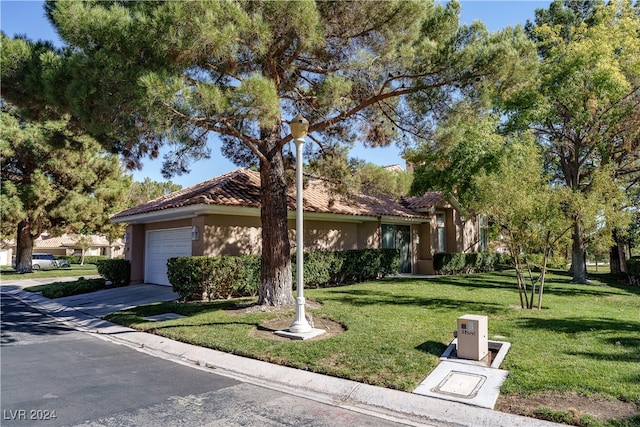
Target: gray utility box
[(473, 331)]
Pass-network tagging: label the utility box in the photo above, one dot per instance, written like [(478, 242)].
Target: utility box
[(473, 334)]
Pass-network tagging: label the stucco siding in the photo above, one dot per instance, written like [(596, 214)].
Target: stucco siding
[(231, 235)]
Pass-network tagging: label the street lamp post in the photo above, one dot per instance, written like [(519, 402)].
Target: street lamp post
[(299, 128)]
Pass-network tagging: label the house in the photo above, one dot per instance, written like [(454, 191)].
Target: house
[(221, 216), (65, 245)]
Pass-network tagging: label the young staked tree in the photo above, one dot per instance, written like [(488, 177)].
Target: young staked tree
[(516, 197), (54, 179), (142, 74), (585, 110)]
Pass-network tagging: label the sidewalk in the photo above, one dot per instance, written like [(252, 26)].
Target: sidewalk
[(395, 405)]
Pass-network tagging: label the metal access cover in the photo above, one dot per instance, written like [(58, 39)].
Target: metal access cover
[(462, 384)]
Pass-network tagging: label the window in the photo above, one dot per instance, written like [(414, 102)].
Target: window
[(484, 233), (441, 232)]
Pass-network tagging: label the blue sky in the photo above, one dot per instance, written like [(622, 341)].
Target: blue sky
[(27, 17)]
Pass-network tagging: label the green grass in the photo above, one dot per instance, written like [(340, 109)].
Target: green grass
[(586, 339), (7, 273)]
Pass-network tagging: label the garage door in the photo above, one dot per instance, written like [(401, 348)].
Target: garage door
[(162, 245)]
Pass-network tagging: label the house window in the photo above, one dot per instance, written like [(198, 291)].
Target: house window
[(484, 233), (441, 232)]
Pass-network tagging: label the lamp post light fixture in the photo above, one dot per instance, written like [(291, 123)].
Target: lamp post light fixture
[(300, 328), (299, 128)]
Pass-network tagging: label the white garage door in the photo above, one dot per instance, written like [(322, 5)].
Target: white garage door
[(162, 245)]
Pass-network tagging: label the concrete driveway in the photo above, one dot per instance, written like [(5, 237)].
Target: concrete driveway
[(106, 301)]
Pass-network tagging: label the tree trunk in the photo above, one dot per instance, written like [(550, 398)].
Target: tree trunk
[(24, 247), (617, 256), (275, 276), (578, 261)]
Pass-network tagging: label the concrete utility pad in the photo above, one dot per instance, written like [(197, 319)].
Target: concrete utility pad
[(300, 335), (459, 382), (162, 317)]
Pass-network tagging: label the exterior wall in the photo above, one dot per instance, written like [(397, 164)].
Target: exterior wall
[(6, 255), (369, 235), (471, 234), (231, 235), (424, 249), (134, 251), (198, 244), (326, 235)]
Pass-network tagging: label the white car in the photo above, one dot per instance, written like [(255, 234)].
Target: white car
[(47, 261)]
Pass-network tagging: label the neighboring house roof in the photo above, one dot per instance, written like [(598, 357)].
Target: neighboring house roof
[(44, 241), (68, 241), (241, 189)]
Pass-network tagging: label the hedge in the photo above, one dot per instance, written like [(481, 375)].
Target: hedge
[(89, 259), (473, 262), (633, 270), (207, 278), (116, 271), (65, 289), (197, 278)]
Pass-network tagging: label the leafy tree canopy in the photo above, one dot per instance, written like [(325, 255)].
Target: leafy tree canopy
[(55, 179), (139, 75)]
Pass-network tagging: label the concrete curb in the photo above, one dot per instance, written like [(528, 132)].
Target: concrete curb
[(412, 409)]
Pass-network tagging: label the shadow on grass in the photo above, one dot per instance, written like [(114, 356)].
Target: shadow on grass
[(626, 350), (497, 280), (432, 347), (360, 298), (578, 324)]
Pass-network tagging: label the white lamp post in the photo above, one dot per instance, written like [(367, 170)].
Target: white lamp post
[(299, 127)]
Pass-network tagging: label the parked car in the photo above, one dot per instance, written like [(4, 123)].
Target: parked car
[(47, 261)]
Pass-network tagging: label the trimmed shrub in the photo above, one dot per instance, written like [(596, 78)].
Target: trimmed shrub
[(633, 270), (65, 289), (117, 271), (199, 277), (93, 259), (323, 269), (89, 259), (474, 262)]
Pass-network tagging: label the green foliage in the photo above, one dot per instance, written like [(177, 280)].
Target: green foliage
[(584, 111), (141, 74), (44, 190), (199, 277), (475, 262), (322, 269), (142, 192), (116, 271), (464, 146), (65, 289), (209, 278), (89, 259)]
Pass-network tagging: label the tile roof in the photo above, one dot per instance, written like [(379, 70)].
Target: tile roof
[(68, 240), (425, 201), (241, 188)]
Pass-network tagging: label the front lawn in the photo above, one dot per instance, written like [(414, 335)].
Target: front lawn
[(585, 341), (76, 270)]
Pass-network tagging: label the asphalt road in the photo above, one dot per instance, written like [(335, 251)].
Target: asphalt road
[(53, 375)]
